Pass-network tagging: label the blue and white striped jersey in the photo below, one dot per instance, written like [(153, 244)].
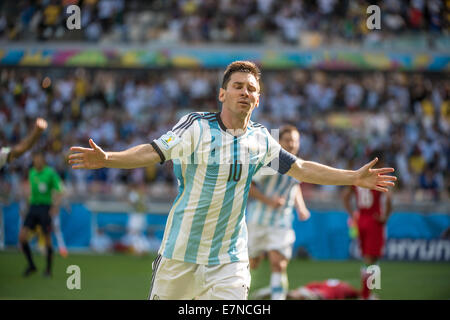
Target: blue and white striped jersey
[(271, 186), (214, 168)]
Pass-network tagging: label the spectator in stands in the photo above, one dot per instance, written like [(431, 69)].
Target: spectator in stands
[(109, 105), (219, 21)]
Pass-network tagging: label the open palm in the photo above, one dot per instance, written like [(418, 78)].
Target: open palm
[(375, 179), (88, 158)]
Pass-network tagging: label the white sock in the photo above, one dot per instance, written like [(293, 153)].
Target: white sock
[(284, 282), (362, 270), (278, 292)]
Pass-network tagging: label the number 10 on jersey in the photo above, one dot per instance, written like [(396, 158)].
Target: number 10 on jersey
[(235, 171)]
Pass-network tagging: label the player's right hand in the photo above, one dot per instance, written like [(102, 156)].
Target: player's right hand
[(277, 202), (88, 158)]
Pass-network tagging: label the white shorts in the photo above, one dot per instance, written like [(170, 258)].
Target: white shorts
[(262, 239), (178, 280)]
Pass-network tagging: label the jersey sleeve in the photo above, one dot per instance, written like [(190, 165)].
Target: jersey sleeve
[(180, 142), (277, 159), (273, 149)]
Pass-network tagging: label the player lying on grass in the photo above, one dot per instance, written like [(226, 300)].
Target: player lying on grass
[(330, 289)]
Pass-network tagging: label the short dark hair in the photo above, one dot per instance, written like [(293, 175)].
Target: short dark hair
[(287, 128), (240, 66)]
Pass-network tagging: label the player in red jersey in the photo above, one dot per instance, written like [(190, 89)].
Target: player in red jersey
[(331, 289), (372, 211)]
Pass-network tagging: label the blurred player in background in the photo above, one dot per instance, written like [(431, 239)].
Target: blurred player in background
[(270, 217), (204, 250), (45, 199), (373, 208), (8, 155), (330, 289), (56, 229), (135, 239)]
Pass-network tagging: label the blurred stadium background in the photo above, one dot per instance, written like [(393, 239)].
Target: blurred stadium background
[(135, 67)]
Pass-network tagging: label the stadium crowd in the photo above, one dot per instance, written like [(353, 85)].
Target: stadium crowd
[(309, 23), (342, 117)]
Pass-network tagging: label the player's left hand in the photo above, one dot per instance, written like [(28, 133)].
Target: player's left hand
[(381, 219), (304, 215), (374, 178), (41, 124), (88, 158), (277, 202)]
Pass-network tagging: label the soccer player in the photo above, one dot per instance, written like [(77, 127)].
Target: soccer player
[(372, 211), (215, 155), (330, 289), (270, 217), (45, 200), (7, 155)]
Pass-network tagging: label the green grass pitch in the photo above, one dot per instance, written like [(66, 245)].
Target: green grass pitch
[(126, 277)]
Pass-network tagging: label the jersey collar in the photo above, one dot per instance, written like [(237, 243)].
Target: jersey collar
[(224, 128)]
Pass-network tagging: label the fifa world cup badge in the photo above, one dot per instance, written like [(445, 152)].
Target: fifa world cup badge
[(169, 140)]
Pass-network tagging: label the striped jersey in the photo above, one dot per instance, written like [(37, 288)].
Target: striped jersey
[(276, 185), (214, 169)]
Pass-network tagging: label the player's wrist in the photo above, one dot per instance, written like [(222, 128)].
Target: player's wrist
[(107, 160), (355, 178), (37, 129)]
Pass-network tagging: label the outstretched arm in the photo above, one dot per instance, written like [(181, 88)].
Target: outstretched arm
[(95, 158), (366, 177), (29, 141)]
